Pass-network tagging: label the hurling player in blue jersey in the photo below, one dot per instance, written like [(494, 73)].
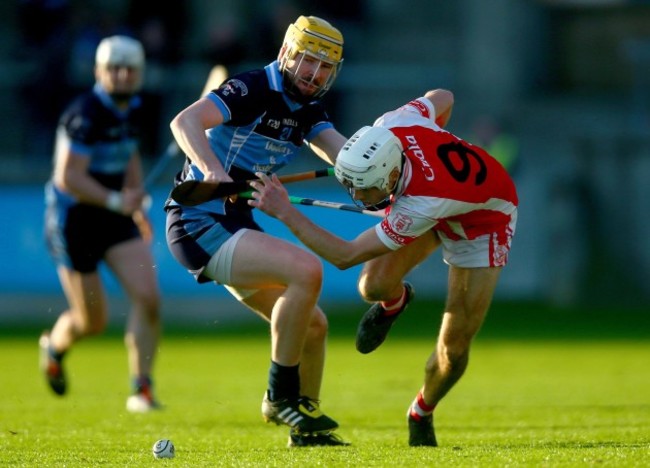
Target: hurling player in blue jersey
[(94, 214), (257, 121)]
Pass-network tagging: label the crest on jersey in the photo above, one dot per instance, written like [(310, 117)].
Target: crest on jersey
[(234, 86), (402, 222)]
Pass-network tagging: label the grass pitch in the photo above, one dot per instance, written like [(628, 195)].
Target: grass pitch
[(543, 388)]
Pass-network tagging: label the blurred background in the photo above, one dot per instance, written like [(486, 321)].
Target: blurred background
[(558, 90)]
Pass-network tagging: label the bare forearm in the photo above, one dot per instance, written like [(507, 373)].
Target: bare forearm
[(327, 145), (81, 186), (133, 178), (271, 197), (188, 129), (193, 143), (325, 244), (443, 102)]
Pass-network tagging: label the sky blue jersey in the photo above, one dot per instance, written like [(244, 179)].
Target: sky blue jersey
[(263, 128)]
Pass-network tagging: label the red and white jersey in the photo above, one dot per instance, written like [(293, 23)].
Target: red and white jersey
[(447, 184)]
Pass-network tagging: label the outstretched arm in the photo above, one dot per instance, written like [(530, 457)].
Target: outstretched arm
[(271, 197)]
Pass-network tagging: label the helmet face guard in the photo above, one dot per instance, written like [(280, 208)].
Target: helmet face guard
[(380, 205), (310, 76), (367, 160), (310, 45)]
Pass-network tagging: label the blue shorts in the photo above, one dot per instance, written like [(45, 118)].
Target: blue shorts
[(194, 236)]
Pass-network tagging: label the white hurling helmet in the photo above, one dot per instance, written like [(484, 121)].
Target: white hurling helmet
[(367, 159), (120, 51)]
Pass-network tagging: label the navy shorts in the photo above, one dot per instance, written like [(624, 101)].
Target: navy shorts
[(194, 236), (79, 237)]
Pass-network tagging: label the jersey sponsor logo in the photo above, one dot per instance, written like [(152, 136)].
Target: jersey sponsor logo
[(276, 148), (263, 167), (234, 86), (414, 148), (290, 122), (421, 108)]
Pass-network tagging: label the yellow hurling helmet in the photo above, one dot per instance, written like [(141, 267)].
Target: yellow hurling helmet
[(316, 38)]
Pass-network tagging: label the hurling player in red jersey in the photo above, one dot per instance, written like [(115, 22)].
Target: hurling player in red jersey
[(438, 191)]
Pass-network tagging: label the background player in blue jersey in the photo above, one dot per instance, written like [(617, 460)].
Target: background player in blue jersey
[(257, 121), (94, 214)]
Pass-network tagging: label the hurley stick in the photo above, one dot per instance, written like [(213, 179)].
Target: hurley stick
[(325, 204), (194, 192), (334, 205)]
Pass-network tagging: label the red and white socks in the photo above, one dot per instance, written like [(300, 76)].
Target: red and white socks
[(394, 306), (419, 409)]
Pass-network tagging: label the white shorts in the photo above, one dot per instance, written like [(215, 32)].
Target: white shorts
[(488, 250)]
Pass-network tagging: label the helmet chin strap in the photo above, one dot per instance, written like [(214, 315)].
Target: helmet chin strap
[(380, 205)]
